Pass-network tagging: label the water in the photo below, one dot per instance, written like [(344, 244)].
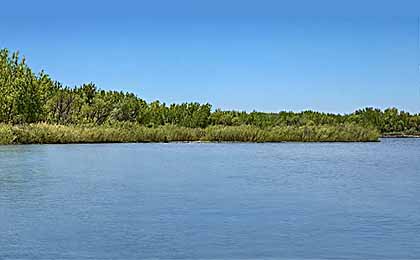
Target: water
[(211, 201)]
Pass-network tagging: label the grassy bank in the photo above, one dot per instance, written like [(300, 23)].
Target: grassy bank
[(131, 133), (407, 134)]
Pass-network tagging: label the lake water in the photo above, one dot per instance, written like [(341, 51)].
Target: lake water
[(211, 201)]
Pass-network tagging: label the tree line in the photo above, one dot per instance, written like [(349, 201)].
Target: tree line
[(27, 97)]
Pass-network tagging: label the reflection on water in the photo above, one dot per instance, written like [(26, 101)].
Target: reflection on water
[(131, 201)]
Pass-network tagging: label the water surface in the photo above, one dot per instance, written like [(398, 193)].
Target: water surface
[(211, 201)]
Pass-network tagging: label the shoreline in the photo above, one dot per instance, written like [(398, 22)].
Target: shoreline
[(197, 142), (400, 136), (220, 142)]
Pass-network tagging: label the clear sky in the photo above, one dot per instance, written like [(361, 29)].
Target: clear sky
[(332, 56)]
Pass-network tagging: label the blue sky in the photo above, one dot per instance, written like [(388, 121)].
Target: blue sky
[(332, 56)]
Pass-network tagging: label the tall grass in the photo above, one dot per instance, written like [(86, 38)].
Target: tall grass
[(59, 134), (6, 134)]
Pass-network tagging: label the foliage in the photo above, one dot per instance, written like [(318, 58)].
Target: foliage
[(26, 98), (22, 92)]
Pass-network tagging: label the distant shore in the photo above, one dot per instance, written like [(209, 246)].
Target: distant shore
[(400, 135)]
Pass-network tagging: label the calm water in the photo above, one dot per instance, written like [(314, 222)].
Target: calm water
[(225, 201)]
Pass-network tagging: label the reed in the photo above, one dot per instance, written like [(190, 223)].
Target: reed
[(42, 133)]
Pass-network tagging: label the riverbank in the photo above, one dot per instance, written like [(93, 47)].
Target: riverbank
[(88, 114), (400, 135), (133, 133)]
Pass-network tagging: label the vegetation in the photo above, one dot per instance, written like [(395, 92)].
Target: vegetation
[(42, 133), (36, 109)]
